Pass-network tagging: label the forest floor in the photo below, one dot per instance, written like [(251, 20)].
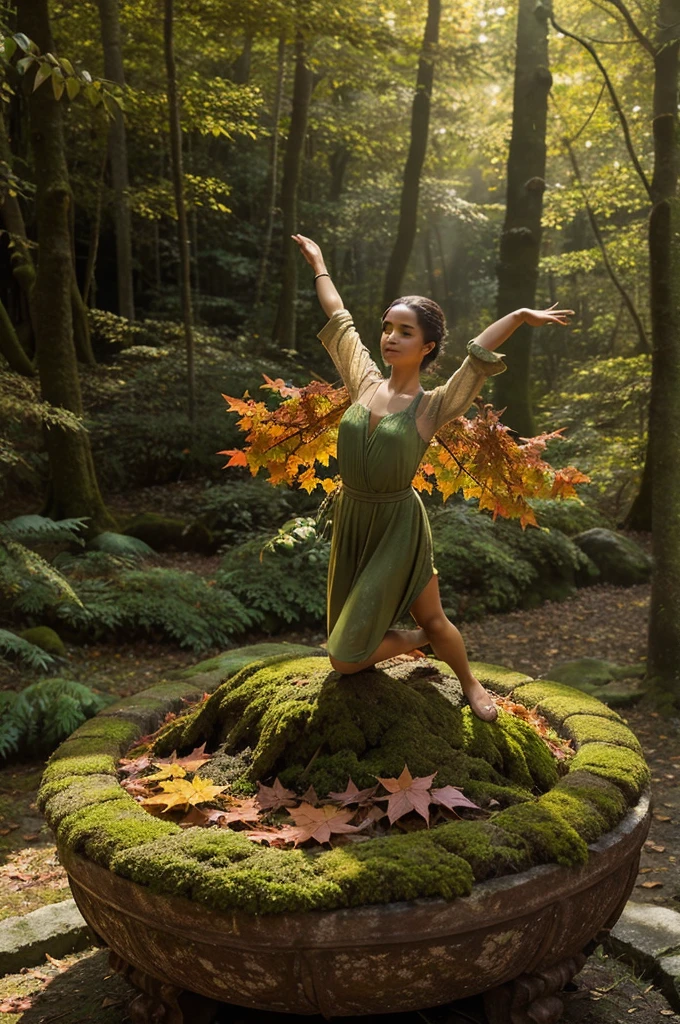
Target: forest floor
[(601, 621)]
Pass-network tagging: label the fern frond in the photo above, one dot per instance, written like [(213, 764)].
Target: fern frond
[(120, 544), (31, 655)]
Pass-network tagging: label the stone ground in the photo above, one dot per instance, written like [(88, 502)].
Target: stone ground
[(603, 621)]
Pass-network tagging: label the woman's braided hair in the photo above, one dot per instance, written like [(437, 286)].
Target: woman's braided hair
[(431, 321)]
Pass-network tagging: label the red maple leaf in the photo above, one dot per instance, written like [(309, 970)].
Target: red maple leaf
[(407, 794)]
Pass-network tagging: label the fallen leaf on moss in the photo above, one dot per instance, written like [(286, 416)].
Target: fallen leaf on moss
[(320, 822), (181, 793), (270, 798), (353, 795), (407, 794), (191, 762)]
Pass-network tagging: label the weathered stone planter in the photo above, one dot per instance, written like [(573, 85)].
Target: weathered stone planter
[(517, 938)]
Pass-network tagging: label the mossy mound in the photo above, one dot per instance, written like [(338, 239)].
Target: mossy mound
[(291, 715), (305, 723)]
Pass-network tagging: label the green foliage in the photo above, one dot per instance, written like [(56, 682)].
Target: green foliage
[(117, 599), (569, 516), (120, 544), (492, 567), (235, 510), (45, 713), (283, 578), (13, 646)]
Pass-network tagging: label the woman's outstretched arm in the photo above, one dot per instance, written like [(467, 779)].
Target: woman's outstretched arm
[(325, 289), (496, 333)]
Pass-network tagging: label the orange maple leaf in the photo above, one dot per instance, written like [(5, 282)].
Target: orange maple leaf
[(407, 794)]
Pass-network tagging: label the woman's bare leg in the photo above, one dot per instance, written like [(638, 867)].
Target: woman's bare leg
[(395, 641), (448, 646)]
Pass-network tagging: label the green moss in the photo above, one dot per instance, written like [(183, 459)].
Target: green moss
[(625, 768), (487, 848), (607, 798), (100, 830), (556, 702), (548, 835), (45, 638), (307, 725), (297, 719), (95, 764), (588, 728), (81, 792), (498, 678)]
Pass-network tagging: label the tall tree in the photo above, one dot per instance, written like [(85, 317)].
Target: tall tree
[(520, 243), (73, 489), (273, 168), (663, 654), (109, 16), (180, 205), (284, 331), (420, 124)]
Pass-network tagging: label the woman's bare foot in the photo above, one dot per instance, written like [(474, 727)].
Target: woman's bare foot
[(481, 701)]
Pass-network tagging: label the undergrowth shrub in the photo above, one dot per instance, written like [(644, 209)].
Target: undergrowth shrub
[(39, 717), (487, 567), (237, 509), (118, 599), (283, 578)]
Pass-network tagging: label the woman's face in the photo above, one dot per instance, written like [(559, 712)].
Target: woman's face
[(402, 343)]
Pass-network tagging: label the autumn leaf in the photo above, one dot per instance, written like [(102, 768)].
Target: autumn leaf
[(133, 766), (451, 797), (353, 795), (181, 793), (191, 761), (320, 822), (478, 456), (270, 798), (168, 771), (239, 810), (407, 794), (310, 797), (274, 836)]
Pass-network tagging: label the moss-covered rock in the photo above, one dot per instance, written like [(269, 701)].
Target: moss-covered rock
[(618, 558), (280, 714), (162, 532), (45, 638)]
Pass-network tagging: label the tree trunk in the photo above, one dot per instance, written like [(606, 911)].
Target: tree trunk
[(520, 245), (420, 122), (284, 326), (109, 16), (663, 654), (273, 169), (73, 490), (178, 182), (11, 348)]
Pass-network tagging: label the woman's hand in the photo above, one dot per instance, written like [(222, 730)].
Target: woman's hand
[(538, 317), (311, 252)]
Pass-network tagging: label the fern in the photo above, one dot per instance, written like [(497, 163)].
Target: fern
[(38, 718), (281, 578), (32, 655)]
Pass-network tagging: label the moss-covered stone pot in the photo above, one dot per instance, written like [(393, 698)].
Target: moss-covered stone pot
[(508, 906)]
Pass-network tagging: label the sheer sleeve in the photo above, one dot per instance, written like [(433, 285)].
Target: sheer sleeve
[(352, 359), (455, 397)]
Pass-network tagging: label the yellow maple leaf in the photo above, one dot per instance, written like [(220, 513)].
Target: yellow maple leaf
[(182, 793)]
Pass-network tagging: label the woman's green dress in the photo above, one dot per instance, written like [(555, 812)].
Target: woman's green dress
[(381, 552)]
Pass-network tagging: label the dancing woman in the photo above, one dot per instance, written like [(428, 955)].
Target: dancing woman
[(381, 559)]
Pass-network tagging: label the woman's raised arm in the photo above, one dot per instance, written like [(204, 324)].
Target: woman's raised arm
[(326, 291)]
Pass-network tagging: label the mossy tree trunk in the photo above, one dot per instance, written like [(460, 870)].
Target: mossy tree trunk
[(180, 205), (663, 656), (73, 490), (420, 123), (303, 83), (109, 16), (520, 245)]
